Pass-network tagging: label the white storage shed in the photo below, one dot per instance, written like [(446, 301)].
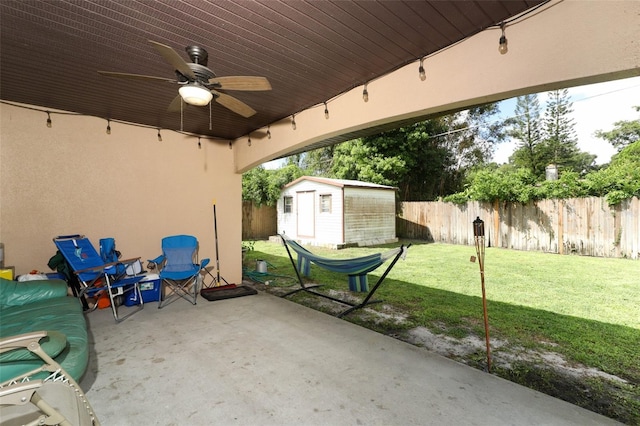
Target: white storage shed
[(337, 213)]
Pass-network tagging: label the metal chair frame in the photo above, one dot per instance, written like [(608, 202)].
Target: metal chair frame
[(98, 276), (183, 283), (52, 399)]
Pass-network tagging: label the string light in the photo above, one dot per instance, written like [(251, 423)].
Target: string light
[(326, 111), (49, 121), (365, 93), (293, 121), (502, 46), (268, 132), (421, 71)]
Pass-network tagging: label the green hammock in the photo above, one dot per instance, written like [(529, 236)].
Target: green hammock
[(356, 268)]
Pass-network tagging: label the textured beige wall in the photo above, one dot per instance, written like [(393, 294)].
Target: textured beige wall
[(74, 178)]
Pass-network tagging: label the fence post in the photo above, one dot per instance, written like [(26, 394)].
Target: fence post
[(496, 223), (560, 226)]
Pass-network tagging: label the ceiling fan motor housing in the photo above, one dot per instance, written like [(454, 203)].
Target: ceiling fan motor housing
[(197, 54)]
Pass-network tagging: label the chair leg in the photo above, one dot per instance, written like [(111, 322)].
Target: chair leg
[(186, 289), (122, 292)]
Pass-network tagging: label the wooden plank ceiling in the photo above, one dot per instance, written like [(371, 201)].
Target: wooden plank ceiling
[(311, 51)]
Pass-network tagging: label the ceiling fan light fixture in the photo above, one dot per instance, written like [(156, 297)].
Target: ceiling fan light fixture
[(194, 94)]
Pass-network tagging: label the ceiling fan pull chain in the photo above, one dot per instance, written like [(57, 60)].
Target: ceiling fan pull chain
[(181, 115)]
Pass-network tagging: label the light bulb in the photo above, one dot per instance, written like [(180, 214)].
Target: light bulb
[(108, 127), (159, 136), (421, 72), (199, 144), (502, 47), (365, 94), (249, 140), (49, 124), (293, 121), (268, 132), (326, 111)]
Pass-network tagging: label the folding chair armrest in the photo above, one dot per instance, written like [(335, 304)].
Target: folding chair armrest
[(21, 340), (158, 260), (127, 262), (103, 268), (19, 393), (204, 263), (100, 268)]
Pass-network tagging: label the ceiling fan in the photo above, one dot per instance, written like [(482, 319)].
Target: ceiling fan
[(198, 84)]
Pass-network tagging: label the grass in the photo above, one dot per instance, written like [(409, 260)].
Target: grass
[(584, 308)]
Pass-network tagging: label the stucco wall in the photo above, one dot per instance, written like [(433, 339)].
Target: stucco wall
[(74, 178)]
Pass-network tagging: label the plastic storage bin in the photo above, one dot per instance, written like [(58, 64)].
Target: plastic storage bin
[(150, 288)]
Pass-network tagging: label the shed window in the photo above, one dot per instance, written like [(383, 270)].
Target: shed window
[(288, 204), (325, 203)]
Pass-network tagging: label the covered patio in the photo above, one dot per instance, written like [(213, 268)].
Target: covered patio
[(263, 360)]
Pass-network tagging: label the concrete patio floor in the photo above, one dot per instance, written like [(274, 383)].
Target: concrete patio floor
[(262, 360)]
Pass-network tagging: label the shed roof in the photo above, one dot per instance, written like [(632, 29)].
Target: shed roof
[(341, 183)]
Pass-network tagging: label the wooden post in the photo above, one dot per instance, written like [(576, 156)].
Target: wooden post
[(496, 223), (560, 227)]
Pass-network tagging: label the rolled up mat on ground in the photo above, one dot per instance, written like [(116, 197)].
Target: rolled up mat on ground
[(227, 292)]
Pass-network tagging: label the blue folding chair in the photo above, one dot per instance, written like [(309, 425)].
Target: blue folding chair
[(179, 269), (96, 275)]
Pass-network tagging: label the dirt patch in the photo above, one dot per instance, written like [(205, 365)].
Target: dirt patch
[(543, 370)]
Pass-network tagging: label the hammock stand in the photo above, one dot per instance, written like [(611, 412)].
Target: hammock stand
[(356, 268)]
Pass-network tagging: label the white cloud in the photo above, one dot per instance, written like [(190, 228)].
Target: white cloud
[(595, 107)]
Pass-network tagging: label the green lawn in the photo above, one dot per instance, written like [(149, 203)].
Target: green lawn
[(586, 309)]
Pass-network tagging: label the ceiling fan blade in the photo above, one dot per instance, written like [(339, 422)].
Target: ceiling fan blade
[(135, 76), (174, 59), (175, 104), (242, 83), (233, 104)]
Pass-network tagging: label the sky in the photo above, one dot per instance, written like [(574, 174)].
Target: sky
[(595, 107)]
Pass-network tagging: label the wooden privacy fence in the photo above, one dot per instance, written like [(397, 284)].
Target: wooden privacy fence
[(584, 226), (258, 222)]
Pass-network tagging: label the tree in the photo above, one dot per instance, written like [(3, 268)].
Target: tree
[(623, 134), (263, 186), (471, 136), (559, 142), (409, 158), (525, 128), (318, 162), (255, 186), (425, 160), (621, 179)]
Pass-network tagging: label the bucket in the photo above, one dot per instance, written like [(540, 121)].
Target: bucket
[(261, 266)]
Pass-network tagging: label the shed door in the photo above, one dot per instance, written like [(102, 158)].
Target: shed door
[(306, 213)]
